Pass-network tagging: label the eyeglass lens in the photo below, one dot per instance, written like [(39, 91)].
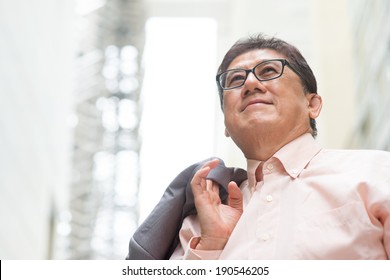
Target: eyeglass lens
[(264, 71)]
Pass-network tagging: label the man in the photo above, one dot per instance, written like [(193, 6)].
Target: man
[(300, 201)]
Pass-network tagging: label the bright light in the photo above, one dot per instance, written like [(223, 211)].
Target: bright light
[(179, 94)]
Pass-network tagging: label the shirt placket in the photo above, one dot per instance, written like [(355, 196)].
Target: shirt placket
[(268, 212)]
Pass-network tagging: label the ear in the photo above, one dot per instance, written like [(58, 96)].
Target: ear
[(314, 104), (227, 133)]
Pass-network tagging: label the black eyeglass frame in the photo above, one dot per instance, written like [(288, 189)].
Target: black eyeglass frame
[(247, 71)]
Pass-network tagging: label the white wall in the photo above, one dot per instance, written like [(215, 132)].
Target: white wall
[(334, 67), (35, 102)]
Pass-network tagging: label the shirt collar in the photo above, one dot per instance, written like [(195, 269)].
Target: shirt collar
[(297, 154), (294, 157)]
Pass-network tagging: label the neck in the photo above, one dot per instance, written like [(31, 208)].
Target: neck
[(262, 146)]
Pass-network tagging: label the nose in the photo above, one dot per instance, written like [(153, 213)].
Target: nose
[(252, 85)]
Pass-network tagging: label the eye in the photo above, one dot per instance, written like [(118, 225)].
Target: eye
[(269, 70), (235, 78), (266, 71)]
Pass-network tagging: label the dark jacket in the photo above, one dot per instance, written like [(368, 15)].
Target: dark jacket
[(157, 237)]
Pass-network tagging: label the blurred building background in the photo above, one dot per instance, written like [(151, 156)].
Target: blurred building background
[(370, 24), (103, 102)]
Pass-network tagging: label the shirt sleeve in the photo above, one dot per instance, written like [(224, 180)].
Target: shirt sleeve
[(379, 199), (189, 235), (384, 217), (383, 208), (386, 238)]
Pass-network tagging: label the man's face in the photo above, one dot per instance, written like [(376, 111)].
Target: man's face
[(278, 105)]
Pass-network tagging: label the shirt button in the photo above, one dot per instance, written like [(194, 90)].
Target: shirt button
[(294, 171), (269, 198), (264, 236), (270, 166)]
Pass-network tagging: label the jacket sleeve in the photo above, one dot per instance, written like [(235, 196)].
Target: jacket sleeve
[(155, 236)]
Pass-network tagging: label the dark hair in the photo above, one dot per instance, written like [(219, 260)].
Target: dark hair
[(292, 54)]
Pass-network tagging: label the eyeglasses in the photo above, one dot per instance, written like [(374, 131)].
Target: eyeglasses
[(264, 71)]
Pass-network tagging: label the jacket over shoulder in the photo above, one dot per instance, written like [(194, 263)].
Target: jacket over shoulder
[(157, 237)]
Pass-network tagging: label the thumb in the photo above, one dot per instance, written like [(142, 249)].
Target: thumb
[(235, 197)]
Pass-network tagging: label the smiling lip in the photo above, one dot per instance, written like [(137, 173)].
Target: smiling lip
[(256, 101)]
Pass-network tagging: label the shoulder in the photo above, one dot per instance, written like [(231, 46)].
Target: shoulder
[(356, 154), (372, 161)]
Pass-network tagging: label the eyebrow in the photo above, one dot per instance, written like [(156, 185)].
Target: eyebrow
[(257, 62)]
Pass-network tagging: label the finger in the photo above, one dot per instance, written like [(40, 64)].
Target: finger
[(212, 163), (213, 191), (200, 175), (199, 179), (215, 187), (235, 197), (198, 182), (209, 185)]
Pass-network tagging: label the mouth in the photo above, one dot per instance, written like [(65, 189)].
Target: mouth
[(256, 102)]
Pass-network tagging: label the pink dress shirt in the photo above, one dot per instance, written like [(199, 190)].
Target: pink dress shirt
[(311, 203)]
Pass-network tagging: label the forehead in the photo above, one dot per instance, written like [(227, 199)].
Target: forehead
[(251, 58)]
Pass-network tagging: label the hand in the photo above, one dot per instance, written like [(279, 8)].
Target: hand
[(217, 220)]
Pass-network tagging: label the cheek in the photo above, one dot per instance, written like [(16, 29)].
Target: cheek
[(229, 102), (230, 117), (293, 109)]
